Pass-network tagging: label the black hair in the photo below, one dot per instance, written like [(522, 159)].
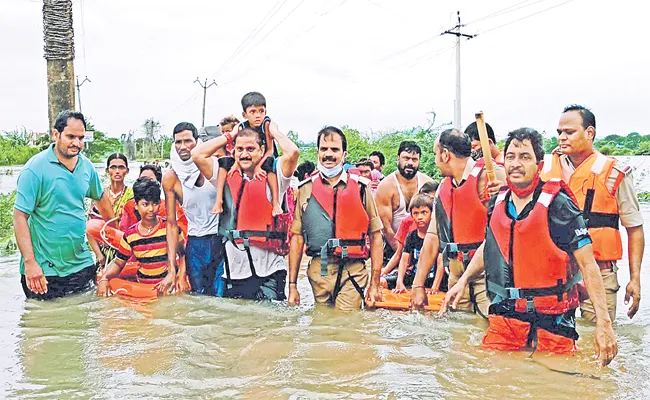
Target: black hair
[(379, 155), (409, 147), (147, 189), (588, 118), (329, 131), (116, 156), (456, 142), (156, 170), (366, 162), (252, 99), (421, 200), (472, 132), (429, 187), (249, 132), (62, 119), (185, 126), (306, 168), (536, 140)]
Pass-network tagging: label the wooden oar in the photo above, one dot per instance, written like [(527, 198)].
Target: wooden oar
[(485, 146)]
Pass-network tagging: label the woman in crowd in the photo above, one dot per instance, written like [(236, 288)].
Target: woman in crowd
[(117, 167)]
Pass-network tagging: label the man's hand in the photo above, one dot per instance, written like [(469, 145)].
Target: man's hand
[(36, 281), (182, 283), (102, 288), (633, 290), (493, 187), (373, 295), (374, 185), (294, 295), (452, 297), (419, 298), (605, 342), (166, 285)]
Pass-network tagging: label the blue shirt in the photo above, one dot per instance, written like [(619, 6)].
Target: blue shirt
[(53, 197)]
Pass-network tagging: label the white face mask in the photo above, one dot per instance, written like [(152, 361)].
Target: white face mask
[(330, 172)]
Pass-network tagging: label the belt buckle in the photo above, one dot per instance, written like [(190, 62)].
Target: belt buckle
[(513, 293), (530, 306), (452, 250)]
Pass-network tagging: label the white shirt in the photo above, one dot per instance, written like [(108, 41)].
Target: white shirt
[(266, 262)]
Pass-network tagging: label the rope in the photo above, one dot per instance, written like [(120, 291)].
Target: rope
[(57, 30)]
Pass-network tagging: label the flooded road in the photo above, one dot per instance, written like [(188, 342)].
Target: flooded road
[(199, 347)]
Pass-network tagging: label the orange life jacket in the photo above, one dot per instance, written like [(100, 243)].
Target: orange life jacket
[(335, 222), (248, 216), (522, 263), (461, 217), (597, 203)]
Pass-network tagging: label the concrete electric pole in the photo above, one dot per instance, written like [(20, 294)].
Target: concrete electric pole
[(456, 32), (78, 85), (58, 36), (205, 87)]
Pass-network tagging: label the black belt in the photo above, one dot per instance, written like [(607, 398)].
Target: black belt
[(602, 220)]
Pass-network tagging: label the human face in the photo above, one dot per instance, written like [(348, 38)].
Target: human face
[(148, 209), (408, 164), (147, 173), (117, 170), (376, 163), (255, 115), (184, 142), (442, 157), (365, 171), (248, 152), (572, 137), (69, 143), (520, 163), (330, 150), (421, 216), (225, 129)]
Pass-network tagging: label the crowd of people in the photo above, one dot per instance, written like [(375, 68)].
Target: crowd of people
[(523, 243)]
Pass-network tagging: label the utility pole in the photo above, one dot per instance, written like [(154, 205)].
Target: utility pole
[(456, 32), (58, 36), (205, 87), (78, 85)]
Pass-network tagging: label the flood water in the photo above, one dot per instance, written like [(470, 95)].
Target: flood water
[(198, 347)]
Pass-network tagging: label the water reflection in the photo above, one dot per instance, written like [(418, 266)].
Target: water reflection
[(199, 347)]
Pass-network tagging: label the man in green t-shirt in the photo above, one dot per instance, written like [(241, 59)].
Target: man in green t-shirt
[(49, 214)]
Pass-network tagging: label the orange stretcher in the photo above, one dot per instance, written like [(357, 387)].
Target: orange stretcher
[(402, 301)]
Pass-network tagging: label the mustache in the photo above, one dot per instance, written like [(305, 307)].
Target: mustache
[(328, 158), (519, 170), (245, 159)]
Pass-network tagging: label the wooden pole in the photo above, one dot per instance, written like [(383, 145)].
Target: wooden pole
[(485, 146)]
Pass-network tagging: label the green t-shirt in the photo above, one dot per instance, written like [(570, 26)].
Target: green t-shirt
[(53, 197)]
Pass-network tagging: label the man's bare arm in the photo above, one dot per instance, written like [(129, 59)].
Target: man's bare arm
[(202, 154), (635, 247), (290, 152), (105, 207), (385, 211)]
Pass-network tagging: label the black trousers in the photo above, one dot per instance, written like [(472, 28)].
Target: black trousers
[(60, 286)]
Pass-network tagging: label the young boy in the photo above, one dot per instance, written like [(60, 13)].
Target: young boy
[(407, 226), (421, 208), (146, 240), (254, 106)]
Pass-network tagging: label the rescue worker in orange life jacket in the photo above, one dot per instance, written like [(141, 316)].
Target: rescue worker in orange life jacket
[(254, 264), (335, 215), (536, 235), (605, 193), (457, 226)]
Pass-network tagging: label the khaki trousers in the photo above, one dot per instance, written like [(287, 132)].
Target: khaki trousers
[(348, 298)]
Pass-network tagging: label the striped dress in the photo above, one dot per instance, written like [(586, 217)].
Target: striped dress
[(149, 250)]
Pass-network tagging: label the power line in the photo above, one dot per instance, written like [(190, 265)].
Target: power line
[(505, 11), (523, 18), (265, 20), (271, 31)]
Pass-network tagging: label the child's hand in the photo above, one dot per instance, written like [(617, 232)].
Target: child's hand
[(259, 173), (399, 287)]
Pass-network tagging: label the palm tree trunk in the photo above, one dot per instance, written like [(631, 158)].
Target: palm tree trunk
[(59, 53)]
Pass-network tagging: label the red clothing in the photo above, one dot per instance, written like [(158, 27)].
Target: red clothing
[(150, 251), (129, 219), (405, 227)]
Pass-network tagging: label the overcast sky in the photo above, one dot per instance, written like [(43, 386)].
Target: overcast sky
[(336, 62)]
